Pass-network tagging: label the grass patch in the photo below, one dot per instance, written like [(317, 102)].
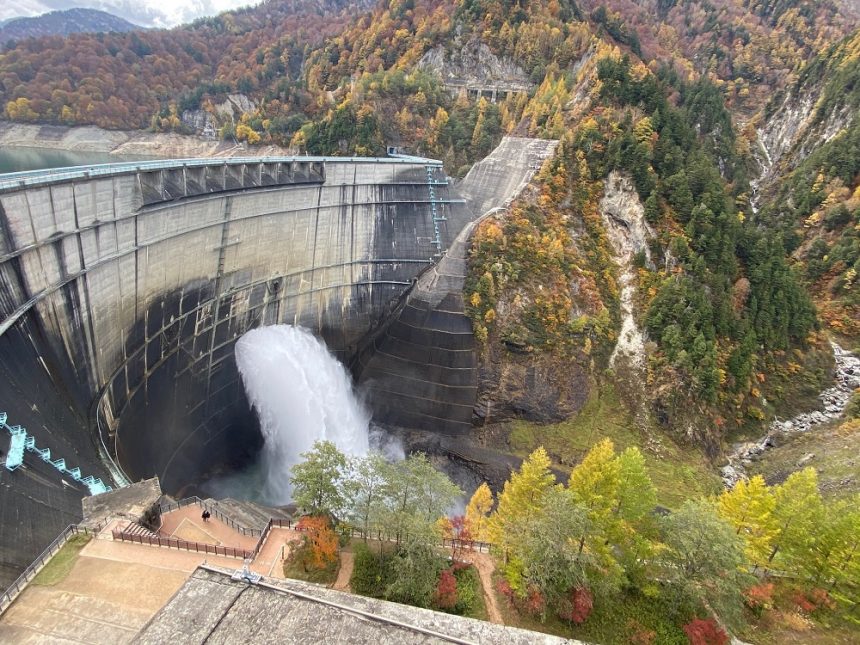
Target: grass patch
[(470, 594), (61, 564), (836, 447), (679, 473), (296, 567)]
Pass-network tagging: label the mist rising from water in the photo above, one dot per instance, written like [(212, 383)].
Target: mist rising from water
[(301, 394)]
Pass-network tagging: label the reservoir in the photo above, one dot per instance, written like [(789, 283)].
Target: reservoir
[(18, 159)]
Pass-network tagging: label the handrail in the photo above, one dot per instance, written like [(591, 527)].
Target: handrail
[(43, 558), (377, 534), (34, 177), (179, 544), (166, 507)]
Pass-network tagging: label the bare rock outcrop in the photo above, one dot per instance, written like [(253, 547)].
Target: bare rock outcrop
[(628, 232), (473, 64)]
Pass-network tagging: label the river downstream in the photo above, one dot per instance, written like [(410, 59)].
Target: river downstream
[(833, 403)]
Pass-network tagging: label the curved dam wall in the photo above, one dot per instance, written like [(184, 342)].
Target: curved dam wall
[(421, 367), (124, 289)]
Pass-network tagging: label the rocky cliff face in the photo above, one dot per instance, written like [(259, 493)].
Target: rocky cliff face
[(206, 124), (803, 118), (624, 220), (473, 64)]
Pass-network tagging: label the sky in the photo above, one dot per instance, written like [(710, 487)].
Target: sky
[(146, 13)]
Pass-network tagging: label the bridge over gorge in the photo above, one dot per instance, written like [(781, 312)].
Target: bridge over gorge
[(124, 287)]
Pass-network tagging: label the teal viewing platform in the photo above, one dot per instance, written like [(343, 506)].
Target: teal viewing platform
[(19, 441)]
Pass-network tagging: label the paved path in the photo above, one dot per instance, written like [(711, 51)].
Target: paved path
[(279, 543), (186, 524), (347, 562), (112, 590), (486, 566)]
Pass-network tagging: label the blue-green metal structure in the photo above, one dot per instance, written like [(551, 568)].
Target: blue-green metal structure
[(19, 441)]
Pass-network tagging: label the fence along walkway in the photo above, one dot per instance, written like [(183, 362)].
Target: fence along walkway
[(125, 535), (273, 523), (30, 572), (129, 534), (354, 532)]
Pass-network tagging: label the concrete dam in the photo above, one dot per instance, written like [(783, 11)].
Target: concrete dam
[(124, 288)]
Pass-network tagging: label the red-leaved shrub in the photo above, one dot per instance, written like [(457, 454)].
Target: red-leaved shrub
[(759, 597), (578, 606), (504, 588), (705, 631), (812, 600), (445, 596), (535, 602)]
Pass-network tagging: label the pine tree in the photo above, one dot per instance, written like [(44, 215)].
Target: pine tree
[(703, 556), (834, 552), (749, 508), (636, 494), (478, 511)]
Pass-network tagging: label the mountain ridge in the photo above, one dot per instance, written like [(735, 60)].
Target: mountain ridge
[(63, 23)]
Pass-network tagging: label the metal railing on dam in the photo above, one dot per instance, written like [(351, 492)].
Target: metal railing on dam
[(123, 289), (27, 178)]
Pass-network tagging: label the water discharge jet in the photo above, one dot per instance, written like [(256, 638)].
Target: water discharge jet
[(301, 395)]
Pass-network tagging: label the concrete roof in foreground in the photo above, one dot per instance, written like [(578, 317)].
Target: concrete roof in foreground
[(210, 607)]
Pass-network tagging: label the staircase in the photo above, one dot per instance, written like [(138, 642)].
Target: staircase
[(431, 184), (133, 528), (19, 441)]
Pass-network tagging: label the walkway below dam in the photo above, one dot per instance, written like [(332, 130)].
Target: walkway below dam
[(114, 587), (121, 592)]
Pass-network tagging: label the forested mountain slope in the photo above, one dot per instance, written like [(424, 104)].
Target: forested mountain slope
[(124, 80), (289, 56), (63, 23), (811, 188)]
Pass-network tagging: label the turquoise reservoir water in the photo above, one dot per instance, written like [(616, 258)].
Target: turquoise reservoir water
[(14, 159)]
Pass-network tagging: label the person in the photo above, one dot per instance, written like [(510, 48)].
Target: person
[(206, 515)]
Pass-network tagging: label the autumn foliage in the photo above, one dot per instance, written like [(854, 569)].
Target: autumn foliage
[(321, 542), (705, 631), (581, 603), (759, 597), (445, 596)]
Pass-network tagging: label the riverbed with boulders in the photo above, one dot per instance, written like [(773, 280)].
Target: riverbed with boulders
[(833, 403)]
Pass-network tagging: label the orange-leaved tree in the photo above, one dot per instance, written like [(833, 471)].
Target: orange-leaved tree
[(320, 541)]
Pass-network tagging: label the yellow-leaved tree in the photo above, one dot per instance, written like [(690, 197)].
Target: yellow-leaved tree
[(522, 498), (749, 508), (478, 511)]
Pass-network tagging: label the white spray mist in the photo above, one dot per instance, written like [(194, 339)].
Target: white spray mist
[(302, 394)]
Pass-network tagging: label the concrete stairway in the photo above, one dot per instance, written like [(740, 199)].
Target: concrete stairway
[(247, 514), (423, 369), (133, 528)]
